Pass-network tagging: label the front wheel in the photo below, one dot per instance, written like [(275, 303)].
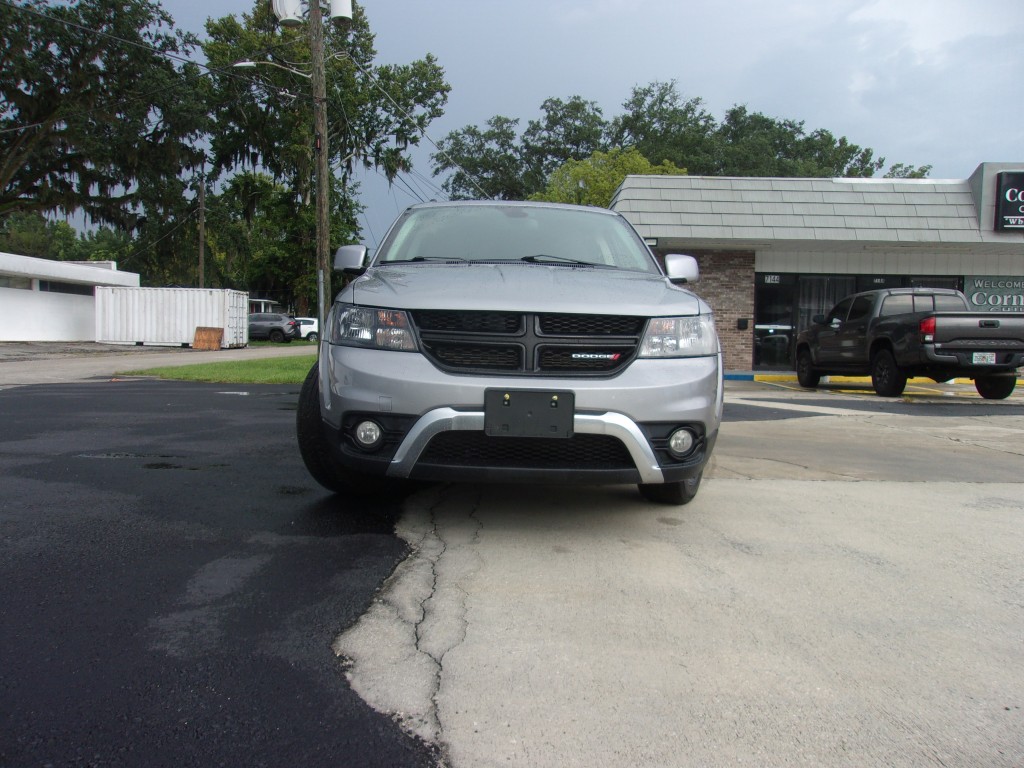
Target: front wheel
[(886, 377), (996, 387), (805, 373), (318, 457), (681, 492)]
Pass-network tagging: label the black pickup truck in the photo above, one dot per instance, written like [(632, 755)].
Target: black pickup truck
[(895, 333)]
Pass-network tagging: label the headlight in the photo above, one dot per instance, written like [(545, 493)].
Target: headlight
[(680, 337), (370, 327)]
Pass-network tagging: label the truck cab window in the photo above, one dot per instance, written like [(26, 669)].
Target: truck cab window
[(924, 303), (861, 308), (899, 304), (839, 311), (950, 303)]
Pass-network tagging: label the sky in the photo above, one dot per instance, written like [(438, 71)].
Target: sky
[(921, 82)]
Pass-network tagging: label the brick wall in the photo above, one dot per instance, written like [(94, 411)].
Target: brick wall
[(727, 284)]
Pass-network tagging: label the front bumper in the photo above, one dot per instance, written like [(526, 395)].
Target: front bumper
[(628, 415)]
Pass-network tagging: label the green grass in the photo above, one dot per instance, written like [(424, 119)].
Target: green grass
[(273, 370)]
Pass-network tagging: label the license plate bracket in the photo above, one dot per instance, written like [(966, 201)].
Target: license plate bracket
[(529, 413), (984, 358)]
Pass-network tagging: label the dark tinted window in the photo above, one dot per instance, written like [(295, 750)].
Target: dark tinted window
[(73, 288), (861, 308), (839, 311), (924, 303), (900, 304), (950, 303)]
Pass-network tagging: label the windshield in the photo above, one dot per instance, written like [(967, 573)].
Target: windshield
[(507, 233)]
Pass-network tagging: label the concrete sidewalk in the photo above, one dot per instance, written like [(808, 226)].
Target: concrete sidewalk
[(30, 362)]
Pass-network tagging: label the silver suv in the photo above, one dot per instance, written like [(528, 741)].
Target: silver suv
[(498, 341)]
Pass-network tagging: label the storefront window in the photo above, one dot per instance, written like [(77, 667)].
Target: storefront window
[(773, 320), (785, 304)]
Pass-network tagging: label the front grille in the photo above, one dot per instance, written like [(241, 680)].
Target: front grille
[(591, 325), (476, 449), (477, 357), (468, 322), (528, 344)]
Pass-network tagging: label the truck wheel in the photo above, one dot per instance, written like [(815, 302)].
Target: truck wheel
[(996, 387), (886, 377), (682, 492), (805, 373)]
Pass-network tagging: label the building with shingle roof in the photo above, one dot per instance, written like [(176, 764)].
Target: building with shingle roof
[(774, 252)]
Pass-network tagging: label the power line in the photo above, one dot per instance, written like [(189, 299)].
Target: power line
[(379, 87)]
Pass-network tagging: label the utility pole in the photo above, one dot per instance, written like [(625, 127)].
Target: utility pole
[(288, 13), (202, 226), (323, 180)]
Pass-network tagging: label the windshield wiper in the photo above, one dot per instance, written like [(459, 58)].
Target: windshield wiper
[(441, 259), (544, 258)]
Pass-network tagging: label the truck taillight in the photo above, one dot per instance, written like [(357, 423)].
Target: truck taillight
[(927, 328)]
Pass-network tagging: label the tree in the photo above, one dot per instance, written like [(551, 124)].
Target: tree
[(253, 226), (98, 106), (264, 117), (264, 123), (664, 127), (31, 234), (753, 144), (593, 181), (484, 163), (498, 163), (903, 171), (569, 130)]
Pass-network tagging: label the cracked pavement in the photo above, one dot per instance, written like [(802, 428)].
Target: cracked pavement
[(845, 590)]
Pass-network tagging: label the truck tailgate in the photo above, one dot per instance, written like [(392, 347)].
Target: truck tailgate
[(996, 330)]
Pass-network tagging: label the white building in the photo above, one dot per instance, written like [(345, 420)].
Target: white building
[(45, 300)]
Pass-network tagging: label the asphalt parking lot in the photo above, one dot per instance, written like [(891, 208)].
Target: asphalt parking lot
[(845, 590)]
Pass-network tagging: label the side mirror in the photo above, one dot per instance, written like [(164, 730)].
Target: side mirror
[(681, 269), (350, 258)]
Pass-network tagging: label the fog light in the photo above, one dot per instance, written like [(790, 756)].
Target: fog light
[(368, 434), (680, 443)]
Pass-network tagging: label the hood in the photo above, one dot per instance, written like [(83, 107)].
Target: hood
[(521, 288)]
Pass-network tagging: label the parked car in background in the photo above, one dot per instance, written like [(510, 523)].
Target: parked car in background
[(309, 328), (273, 326)]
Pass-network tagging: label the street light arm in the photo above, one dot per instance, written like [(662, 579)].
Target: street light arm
[(254, 64)]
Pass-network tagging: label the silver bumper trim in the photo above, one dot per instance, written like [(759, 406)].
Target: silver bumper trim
[(448, 419)]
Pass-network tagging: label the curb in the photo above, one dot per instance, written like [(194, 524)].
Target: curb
[(865, 380)]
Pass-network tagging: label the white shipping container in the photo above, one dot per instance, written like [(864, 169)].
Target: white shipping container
[(170, 316)]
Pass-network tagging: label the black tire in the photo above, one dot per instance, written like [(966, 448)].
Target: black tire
[(313, 446), (314, 336), (997, 386), (805, 373), (277, 335), (682, 492), (319, 459), (886, 377)]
